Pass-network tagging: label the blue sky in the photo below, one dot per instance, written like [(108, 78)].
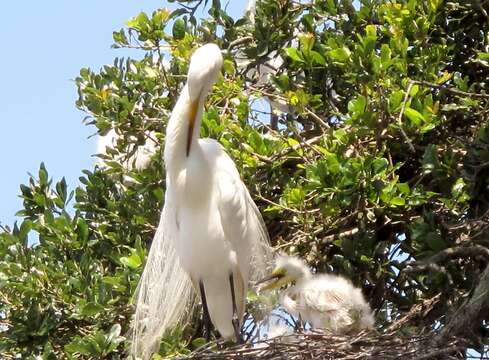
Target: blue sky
[(44, 45)]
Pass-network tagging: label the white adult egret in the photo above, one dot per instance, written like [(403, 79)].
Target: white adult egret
[(325, 301), (209, 229), (140, 156), (251, 10)]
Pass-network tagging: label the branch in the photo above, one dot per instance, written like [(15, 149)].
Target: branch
[(290, 149), (418, 310), (419, 267), (432, 263), (239, 41), (451, 90), (258, 196), (346, 233), (399, 119), (317, 119), (467, 315), (459, 252), (435, 354)]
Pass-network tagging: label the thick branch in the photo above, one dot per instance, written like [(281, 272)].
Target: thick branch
[(443, 256), (459, 252), (240, 41), (467, 316), (346, 233)]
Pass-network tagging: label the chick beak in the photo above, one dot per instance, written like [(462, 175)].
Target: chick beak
[(192, 114), (278, 277)]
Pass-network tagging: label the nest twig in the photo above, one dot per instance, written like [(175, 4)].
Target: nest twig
[(318, 345)]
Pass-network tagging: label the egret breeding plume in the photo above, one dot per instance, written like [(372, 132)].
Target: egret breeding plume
[(211, 238), (325, 301)]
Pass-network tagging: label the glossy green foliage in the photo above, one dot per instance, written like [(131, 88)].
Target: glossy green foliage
[(381, 159)]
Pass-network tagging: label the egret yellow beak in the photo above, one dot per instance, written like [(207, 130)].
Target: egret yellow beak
[(280, 279), (192, 113)]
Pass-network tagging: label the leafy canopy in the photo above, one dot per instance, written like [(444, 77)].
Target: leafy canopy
[(373, 163)]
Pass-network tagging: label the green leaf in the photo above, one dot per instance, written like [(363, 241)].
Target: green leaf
[(228, 67), (112, 280), (414, 90), (317, 58), (357, 106), (198, 342), (340, 55), (395, 100), (413, 115), (133, 261), (295, 196), (371, 31), (398, 201), (333, 163), (178, 30), (91, 309), (385, 55), (82, 230), (294, 54), (435, 242), (404, 188), (380, 164), (306, 41), (430, 159), (43, 174)]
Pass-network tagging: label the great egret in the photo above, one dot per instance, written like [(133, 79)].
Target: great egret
[(140, 157), (210, 227), (325, 301)]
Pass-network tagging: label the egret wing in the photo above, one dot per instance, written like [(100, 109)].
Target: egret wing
[(244, 228), (323, 300), (241, 220)]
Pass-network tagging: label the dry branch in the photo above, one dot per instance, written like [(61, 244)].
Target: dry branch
[(416, 311)]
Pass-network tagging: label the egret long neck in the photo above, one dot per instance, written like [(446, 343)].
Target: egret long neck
[(183, 129)]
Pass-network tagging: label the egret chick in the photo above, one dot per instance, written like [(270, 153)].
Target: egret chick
[(325, 301)]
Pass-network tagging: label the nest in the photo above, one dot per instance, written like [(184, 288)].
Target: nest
[(318, 345)]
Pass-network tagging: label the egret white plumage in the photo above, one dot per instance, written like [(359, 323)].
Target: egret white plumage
[(325, 301), (210, 234)]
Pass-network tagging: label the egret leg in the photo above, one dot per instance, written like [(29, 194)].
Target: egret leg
[(299, 324), (207, 318), (235, 320)]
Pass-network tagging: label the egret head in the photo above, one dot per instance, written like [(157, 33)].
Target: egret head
[(288, 269), (205, 64)]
